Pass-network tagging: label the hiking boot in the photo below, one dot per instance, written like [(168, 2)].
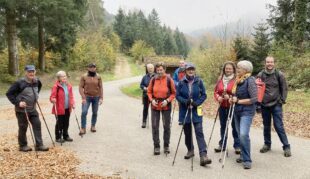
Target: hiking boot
[(143, 124), (287, 152), (157, 151), (218, 149), (82, 131), (166, 150), (265, 149), (25, 149), (68, 139), (247, 165), (189, 155), (93, 129), (180, 123), (60, 140), (42, 148), (204, 160), (237, 151), (239, 160)]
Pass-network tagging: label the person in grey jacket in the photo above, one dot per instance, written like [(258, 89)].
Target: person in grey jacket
[(274, 97), (24, 94)]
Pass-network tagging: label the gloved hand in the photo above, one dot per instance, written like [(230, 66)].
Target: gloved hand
[(194, 104), (164, 103), (188, 102), (154, 103)]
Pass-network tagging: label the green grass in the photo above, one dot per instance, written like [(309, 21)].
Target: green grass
[(136, 69), (298, 101), (132, 90)]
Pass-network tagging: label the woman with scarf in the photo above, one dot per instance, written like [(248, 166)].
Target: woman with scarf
[(63, 99), (91, 91), (191, 93), (245, 97), (222, 92)]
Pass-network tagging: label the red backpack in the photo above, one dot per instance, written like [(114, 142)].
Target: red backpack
[(261, 87)]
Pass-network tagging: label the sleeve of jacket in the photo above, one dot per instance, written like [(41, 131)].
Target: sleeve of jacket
[(39, 85), (12, 93), (179, 97), (284, 87), (173, 91), (175, 77), (100, 88), (216, 93), (53, 92), (150, 90), (142, 85), (71, 96), (81, 87), (203, 95)]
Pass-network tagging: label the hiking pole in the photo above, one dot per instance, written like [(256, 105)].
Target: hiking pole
[(175, 102), (217, 113), (192, 142), (225, 134), (77, 121), (45, 123), (180, 136), (31, 131), (58, 124), (148, 116), (231, 118)]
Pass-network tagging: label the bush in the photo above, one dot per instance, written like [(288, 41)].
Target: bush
[(140, 49), (93, 48)]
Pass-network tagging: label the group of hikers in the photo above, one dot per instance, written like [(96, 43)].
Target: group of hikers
[(236, 91), (24, 94)]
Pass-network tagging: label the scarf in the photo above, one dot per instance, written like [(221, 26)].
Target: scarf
[(239, 80), (269, 72), (226, 80), (92, 74)]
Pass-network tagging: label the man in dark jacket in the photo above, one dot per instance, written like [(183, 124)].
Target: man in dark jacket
[(274, 97), (143, 85), (24, 94)]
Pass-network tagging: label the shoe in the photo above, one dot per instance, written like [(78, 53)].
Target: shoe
[(42, 148), (218, 149), (180, 123), (82, 131), (239, 160), (189, 155), (265, 149), (287, 152), (60, 140), (166, 150), (204, 160), (93, 129), (247, 165), (68, 139), (143, 124), (25, 149), (157, 151), (237, 151)]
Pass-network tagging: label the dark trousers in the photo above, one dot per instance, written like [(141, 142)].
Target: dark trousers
[(199, 137), (62, 125), (23, 125), (276, 113), (145, 100), (223, 113), (155, 126)]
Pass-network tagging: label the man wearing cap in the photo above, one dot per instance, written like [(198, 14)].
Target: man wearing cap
[(91, 91), (24, 94)]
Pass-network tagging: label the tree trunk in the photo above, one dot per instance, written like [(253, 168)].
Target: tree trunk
[(12, 42), (41, 42)]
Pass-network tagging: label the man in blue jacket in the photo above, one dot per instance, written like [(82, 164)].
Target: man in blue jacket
[(191, 94), (143, 85)]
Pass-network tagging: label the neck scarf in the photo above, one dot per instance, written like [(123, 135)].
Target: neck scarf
[(240, 80), (226, 80)]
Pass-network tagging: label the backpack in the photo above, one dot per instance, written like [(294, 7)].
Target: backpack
[(262, 77)]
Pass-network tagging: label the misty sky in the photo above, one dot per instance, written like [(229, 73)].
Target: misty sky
[(191, 15)]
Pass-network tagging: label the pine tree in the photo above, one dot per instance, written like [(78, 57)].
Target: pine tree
[(241, 48), (261, 47), (300, 24)]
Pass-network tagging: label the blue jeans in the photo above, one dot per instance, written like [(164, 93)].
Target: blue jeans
[(276, 113), (243, 125), (94, 101), (199, 137), (223, 113)]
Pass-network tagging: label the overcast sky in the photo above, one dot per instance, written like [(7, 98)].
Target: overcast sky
[(190, 15)]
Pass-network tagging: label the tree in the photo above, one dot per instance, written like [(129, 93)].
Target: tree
[(170, 46), (241, 48), (119, 26), (261, 47), (300, 24)]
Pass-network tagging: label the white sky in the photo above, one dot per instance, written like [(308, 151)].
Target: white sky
[(194, 14)]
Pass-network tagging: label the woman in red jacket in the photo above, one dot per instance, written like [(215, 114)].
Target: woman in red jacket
[(63, 102), (222, 92)]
